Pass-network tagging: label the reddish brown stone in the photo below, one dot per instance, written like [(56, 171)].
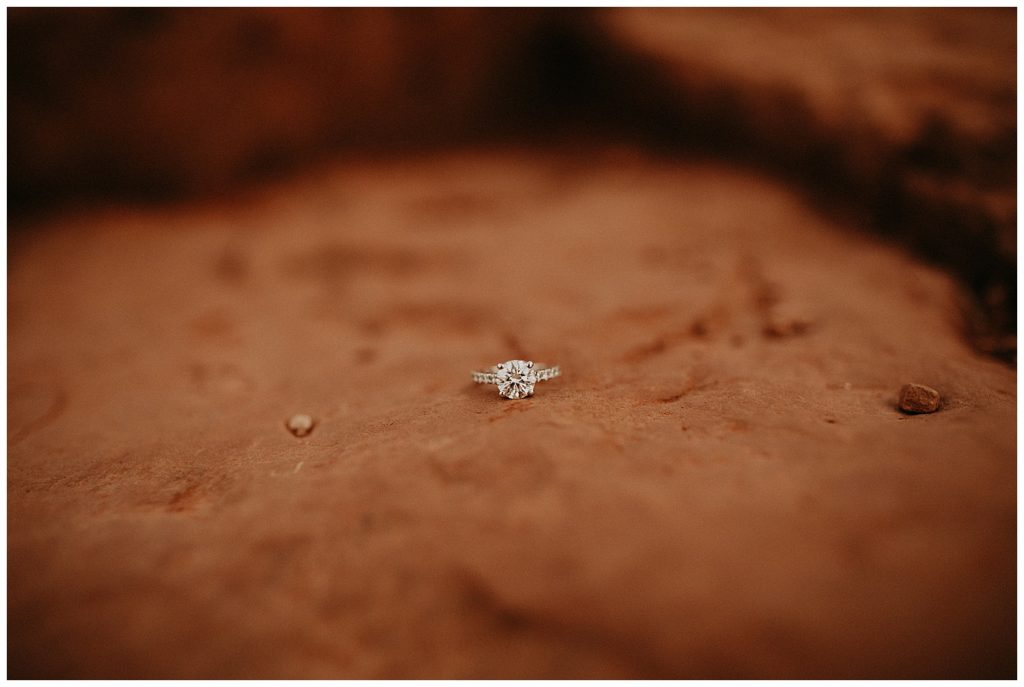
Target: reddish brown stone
[(918, 398), (672, 506)]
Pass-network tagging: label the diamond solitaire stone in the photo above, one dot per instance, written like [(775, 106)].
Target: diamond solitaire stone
[(516, 379)]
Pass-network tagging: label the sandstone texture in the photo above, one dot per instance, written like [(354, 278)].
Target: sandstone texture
[(905, 117), (719, 485)]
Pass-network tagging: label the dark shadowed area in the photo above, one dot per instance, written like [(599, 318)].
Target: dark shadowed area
[(255, 254)]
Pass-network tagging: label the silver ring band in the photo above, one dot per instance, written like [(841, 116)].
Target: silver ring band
[(544, 373), (516, 378)]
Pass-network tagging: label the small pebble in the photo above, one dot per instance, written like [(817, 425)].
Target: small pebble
[(918, 398), (300, 425)]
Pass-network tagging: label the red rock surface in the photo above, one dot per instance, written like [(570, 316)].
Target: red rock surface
[(905, 118), (720, 484)]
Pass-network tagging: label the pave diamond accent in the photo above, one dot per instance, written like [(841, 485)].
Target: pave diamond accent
[(516, 379)]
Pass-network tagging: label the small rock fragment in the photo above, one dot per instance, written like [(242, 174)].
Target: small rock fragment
[(300, 425), (918, 398)]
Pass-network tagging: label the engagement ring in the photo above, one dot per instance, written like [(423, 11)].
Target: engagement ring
[(516, 378)]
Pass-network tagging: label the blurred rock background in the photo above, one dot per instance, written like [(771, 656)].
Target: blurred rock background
[(906, 118)]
